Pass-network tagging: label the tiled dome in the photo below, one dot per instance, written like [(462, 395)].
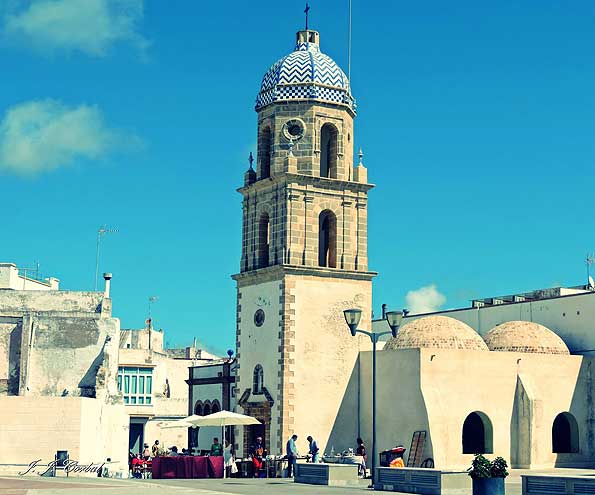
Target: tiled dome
[(525, 336), (437, 332), (305, 74)]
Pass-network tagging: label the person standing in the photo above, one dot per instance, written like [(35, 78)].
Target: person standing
[(361, 451), (292, 455), (257, 453), (314, 450), (155, 449), (228, 460), (216, 448)]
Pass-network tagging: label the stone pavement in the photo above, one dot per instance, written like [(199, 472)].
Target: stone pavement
[(234, 486)]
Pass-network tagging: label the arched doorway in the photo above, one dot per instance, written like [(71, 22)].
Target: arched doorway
[(565, 434), (478, 435)]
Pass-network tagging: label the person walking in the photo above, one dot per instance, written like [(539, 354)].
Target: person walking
[(313, 449), (361, 451), (292, 454)]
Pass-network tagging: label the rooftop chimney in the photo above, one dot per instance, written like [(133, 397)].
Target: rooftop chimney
[(107, 277), (384, 311)]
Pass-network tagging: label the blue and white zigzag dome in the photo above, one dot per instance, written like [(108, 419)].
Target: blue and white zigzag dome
[(305, 74)]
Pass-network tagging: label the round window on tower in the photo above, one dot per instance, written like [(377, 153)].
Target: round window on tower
[(294, 129), (259, 317)]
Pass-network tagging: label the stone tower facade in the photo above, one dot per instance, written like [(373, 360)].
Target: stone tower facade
[(304, 252)]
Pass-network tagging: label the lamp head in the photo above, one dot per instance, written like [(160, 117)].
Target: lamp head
[(394, 319), (353, 317)]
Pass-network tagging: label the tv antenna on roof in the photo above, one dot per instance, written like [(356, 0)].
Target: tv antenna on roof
[(349, 46), (152, 299), (100, 233)]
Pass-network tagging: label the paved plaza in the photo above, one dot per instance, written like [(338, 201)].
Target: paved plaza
[(234, 486)]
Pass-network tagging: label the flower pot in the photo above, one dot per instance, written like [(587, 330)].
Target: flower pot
[(488, 486)]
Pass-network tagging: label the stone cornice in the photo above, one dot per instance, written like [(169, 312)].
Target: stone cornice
[(276, 272), (302, 179)]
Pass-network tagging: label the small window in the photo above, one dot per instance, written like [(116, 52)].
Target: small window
[(264, 153), (215, 407), (258, 380), (206, 410), (264, 236), (198, 408), (327, 239), (135, 384), (329, 138)]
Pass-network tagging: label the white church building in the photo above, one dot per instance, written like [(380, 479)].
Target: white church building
[(509, 376)]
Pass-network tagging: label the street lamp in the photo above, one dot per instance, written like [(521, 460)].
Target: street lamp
[(393, 318)]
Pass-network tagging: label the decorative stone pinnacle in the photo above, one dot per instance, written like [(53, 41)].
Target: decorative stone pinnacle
[(251, 160), (361, 157), (291, 145)]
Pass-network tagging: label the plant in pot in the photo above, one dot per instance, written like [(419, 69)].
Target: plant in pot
[(488, 476)]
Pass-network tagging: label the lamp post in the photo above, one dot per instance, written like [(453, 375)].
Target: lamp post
[(393, 318)]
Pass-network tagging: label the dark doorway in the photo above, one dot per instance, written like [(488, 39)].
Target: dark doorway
[(564, 434), (136, 437), (255, 432), (477, 434)]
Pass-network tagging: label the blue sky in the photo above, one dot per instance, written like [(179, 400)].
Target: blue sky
[(477, 123)]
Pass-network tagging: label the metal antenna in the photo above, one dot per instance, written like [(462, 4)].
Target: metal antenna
[(100, 233), (349, 46), (152, 299), (589, 262)]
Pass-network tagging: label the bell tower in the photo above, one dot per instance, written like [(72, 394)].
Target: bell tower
[(304, 251)]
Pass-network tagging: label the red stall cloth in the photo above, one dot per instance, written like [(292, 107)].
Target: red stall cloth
[(165, 468), (187, 467), (200, 467), (215, 466)]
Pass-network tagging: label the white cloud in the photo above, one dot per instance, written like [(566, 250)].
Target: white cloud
[(424, 300), (91, 26), (37, 136)]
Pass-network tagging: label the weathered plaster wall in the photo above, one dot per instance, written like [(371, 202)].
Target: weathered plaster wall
[(17, 301), (35, 429), (10, 355), (142, 339), (401, 409), (322, 353), (259, 345), (445, 386), (72, 356)]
